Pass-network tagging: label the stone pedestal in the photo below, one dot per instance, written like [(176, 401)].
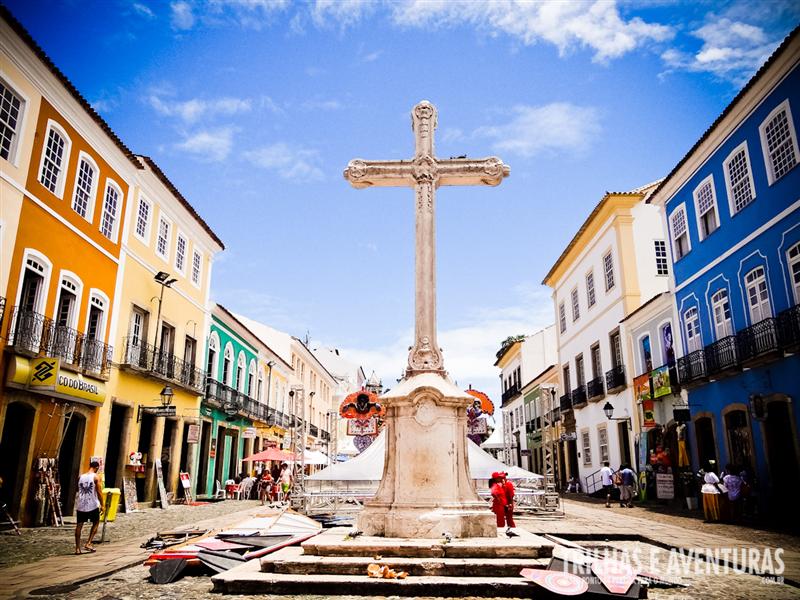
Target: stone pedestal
[(426, 488)]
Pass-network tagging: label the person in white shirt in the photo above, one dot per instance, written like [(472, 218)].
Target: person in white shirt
[(90, 503), (606, 473)]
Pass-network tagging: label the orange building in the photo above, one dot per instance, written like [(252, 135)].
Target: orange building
[(66, 178)]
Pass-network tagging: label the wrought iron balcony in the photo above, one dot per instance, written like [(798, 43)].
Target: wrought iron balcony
[(565, 402), (313, 430), (33, 334), (510, 393), (168, 367), (615, 379), (555, 415), (595, 389), (692, 367), (324, 435), (789, 328), (722, 355), (579, 396), (758, 340)]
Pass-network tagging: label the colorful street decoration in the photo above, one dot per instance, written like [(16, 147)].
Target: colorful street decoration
[(361, 405), (362, 442), (477, 429)]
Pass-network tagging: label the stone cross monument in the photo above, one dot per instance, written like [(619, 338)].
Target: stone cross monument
[(426, 488)]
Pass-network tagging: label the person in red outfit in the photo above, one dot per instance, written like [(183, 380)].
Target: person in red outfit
[(509, 490), (499, 498)]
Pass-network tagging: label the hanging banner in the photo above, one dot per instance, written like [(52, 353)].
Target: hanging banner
[(649, 412), (641, 387), (362, 426), (193, 435), (661, 384), (249, 433)]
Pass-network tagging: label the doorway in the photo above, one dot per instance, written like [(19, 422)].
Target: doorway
[(624, 442), (168, 443), (69, 461), (113, 477), (14, 448), (706, 445), (219, 457), (145, 435), (233, 466), (202, 463), (781, 447)]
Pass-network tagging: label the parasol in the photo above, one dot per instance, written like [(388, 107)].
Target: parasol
[(487, 405)]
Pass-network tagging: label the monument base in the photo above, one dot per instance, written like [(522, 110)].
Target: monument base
[(427, 523)]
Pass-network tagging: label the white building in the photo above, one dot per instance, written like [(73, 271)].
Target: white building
[(615, 261)]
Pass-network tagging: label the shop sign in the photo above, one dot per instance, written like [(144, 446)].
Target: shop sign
[(525, 452), (193, 434), (641, 387), (249, 433), (212, 451), (665, 486), (45, 375), (569, 437), (661, 384), (648, 410)]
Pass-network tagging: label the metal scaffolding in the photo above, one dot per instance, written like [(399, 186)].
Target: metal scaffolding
[(297, 434)]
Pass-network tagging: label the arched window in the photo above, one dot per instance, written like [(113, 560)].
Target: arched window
[(240, 365), (691, 321), (757, 295), (85, 187), (68, 302), (251, 378), (722, 314), (260, 389), (55, 156), (109, 218), (667, 343), (96, 318), (213, 352), (227, 365), (793, 257)]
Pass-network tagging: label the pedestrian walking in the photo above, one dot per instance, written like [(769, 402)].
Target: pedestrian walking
[(711, 491), (499, 498), (508, 486), (733, 483), (627, 485), (90, 503), (286, 482), (606, 474), (265, 487)]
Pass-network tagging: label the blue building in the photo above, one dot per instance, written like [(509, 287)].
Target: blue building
[(732, 209)]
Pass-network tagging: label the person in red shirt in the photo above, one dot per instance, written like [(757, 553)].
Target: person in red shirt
[(499, 498), (508, 487)]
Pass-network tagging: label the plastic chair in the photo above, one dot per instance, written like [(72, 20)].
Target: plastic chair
[(220, 493)]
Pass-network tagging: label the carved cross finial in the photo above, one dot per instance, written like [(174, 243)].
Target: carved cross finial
[(425, 173)]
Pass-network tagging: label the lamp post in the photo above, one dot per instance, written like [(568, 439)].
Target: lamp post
[(270, 364), (166, 395), (164, 280), (608, 408)]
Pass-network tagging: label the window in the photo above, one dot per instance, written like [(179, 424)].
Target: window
[(602, 443), (143, 220), (108, 222), (616, 348), (138, 328), (54, 158), (567, 380), (84, 188), (586, 445), (240, 372), (576, 309), (667, 345), (211, 361), (96, 320), (227, 361), (680, 232), (196, 267), (793, 257), (779, 142), (579, 375), (722, 314), (251, 377), (757, 295), (608, 270), (260, 389), (590, 299), (180, 253), (562, 317), (189, 351), (739, 179), (705, 201), (647, 354), (691, 320), (11, 107), (597, 364), (662, 267), (162, 242), (66, 313)]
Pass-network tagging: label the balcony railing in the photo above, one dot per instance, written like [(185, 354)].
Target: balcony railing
[(555, 415), (789, 328), (34, 334), (565, 402), (692, 367), (758, 340), (163, 365), (579, 396), (722, 355), (324, 435), (594, 388), (510, 393), (615, 379), (313, 430)]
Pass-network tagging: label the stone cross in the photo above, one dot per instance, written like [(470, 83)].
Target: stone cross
[(425, 173)]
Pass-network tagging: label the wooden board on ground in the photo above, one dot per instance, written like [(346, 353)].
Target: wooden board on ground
[(162, 491), (129, 492)]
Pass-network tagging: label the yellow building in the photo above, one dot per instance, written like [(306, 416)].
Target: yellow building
[(163, 320), (65, 183)]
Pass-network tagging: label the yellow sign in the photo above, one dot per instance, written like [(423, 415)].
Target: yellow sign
[(45, 376)]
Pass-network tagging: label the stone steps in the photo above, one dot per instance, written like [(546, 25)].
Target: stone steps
[(293, 561), (249, 579)]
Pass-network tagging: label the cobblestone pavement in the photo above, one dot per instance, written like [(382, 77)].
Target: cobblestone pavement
[(37, 543)]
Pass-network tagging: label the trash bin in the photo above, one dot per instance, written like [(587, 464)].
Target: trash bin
[(111, 496)]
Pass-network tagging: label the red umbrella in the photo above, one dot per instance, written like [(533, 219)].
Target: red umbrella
[(271, 454)]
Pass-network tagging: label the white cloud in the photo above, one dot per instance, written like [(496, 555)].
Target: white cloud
[(209, 145), (194, 109), (289, 162), (596, 25), (731, 50), (182, 15), (372, 56), (321, 105), (342, 13), (143, 10), (559, 126), (469, 350)]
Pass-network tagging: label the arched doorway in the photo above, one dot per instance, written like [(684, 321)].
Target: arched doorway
[(706, 444), (69, 461), (740, 445), (14, 447), (780, 442)]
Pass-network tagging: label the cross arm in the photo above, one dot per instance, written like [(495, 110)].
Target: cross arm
[(472, 171), (384, 173)]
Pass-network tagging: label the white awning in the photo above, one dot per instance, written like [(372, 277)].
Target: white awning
[(315, 457)]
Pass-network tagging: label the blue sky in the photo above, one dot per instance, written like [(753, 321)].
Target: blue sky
[(254, 107)]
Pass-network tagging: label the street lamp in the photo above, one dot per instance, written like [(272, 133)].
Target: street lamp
[(609, 410), (270, 364), (166, 396), (165, 280)]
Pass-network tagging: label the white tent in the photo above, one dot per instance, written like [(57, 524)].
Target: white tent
[(368, 466), (315, 457)]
